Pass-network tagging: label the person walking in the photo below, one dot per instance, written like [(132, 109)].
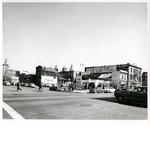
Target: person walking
[(18, 86), (40, 87)]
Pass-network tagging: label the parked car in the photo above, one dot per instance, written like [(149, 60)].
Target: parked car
[(110, 90), (97, 90), (26, 84), (139, 94), (7, 83), (22, 84), (53, 87), (32, 85)]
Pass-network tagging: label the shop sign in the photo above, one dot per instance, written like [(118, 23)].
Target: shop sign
[(79, 82)]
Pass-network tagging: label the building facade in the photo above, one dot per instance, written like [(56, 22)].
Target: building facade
[(27, 78), (121, 74), (46, 75), (9, 74), (69, 75), (144, 79)]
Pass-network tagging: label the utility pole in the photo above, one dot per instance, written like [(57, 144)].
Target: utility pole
[(81, 67)]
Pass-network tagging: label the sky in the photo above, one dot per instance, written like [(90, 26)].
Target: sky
[(93, 34)]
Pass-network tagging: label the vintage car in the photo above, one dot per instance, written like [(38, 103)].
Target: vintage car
[(7, 83), (110, 90), (139, 94), (32, 85), (97, 90)]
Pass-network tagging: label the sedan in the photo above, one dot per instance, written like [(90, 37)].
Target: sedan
[(32, 85), (110, 90), (7, 83), (97, 90)]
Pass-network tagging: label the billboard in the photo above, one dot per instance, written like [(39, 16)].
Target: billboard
[(48, 80)]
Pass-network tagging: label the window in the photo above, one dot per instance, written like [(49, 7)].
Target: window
[(136, 71), (140, 79), (130, 77), (125, 77), (131, 70)]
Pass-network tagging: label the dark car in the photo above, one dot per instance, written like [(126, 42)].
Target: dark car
[(54, 88), (139, 94), (7, 83)]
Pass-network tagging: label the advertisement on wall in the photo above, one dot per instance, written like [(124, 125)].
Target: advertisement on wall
[(48, 80)]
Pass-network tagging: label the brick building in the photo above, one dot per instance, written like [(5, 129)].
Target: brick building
[(126, 74), (46, 75)]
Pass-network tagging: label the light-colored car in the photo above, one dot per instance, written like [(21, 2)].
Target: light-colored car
[(7, 83), (110, 90), (26, 84), (32, 85), (97, 90)]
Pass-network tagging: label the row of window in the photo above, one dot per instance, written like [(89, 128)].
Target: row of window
[(133, 70), (135, 78), (123, 77)]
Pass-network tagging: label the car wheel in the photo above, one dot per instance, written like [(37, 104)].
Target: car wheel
[(120, 99)]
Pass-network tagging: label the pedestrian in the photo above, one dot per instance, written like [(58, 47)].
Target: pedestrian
[(40, 87), (18, 86)]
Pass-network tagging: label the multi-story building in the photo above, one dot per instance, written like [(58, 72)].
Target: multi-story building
[(9, 74), (27, 78), (69, 75), (46, 75), (126, 74)]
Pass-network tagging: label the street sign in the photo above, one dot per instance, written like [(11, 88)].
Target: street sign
[(78, 82)]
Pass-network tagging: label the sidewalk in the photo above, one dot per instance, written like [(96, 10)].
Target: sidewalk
[(80, 91)]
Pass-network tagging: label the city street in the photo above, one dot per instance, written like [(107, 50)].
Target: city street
[(52, 105)]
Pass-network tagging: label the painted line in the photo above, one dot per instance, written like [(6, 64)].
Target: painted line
[(12, 112)]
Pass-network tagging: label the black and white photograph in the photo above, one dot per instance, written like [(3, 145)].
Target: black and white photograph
[(74, 63)]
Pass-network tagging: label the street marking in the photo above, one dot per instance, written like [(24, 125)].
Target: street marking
[(12, 112)]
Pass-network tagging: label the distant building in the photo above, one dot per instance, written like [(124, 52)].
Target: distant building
[(125, 74), (69, 75), (27, 78), (144, 79), (46, 75), (8, 72)]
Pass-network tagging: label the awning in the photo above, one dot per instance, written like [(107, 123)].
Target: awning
[(104, 76), (123, 71)]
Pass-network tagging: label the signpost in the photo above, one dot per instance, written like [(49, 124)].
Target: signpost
[(78, 82)]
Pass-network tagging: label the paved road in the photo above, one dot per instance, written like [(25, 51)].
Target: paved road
[(51, 105)]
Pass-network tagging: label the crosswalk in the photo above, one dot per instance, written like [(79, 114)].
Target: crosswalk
[(11, 111)]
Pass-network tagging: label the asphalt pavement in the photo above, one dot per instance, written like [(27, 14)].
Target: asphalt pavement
[(77, 105)]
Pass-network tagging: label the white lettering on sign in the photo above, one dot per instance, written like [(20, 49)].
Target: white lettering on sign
[(48, 80)]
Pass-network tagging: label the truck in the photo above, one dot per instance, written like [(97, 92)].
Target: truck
[(138, 95)]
